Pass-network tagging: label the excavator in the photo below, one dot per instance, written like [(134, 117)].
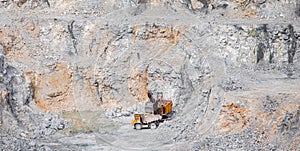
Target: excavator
[(156, 111)]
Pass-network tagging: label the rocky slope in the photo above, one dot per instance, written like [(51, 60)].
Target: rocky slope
[(231, 68)]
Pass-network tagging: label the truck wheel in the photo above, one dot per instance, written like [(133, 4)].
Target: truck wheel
[(153, 126), (138, 126)]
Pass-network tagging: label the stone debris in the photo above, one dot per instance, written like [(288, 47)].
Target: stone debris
[(231, 68)]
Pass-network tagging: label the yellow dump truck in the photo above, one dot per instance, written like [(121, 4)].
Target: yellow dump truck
[(157, 110), (145, 121)]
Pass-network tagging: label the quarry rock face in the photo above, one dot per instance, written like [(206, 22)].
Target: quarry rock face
[(74, 72)]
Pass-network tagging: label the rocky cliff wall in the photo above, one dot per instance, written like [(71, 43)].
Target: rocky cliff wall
[(233, 65), (64, 58)]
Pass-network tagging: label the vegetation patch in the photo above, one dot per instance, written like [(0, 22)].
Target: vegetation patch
[(88, 122)]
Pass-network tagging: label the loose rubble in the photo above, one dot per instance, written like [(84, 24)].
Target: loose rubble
[(73, 73)]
